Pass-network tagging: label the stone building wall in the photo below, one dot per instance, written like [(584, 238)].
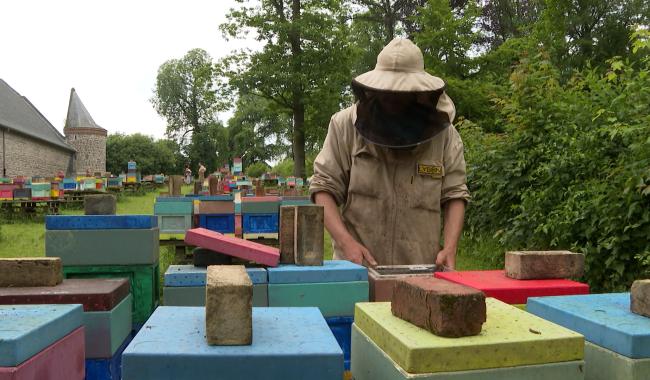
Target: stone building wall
[(91, 149), (27, 156)]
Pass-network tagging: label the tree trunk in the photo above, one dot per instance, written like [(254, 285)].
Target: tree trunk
[(298, 106), (298, 138)]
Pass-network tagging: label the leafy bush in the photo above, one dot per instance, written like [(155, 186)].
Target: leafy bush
[(572, 170), (257, 169)]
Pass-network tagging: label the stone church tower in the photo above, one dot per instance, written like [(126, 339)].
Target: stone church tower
[(88, 138)]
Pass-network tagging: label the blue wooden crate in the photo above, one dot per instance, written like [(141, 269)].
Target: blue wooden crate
[(223, 223), (260, 223), (330, 271), (342, 329), (100, 222)]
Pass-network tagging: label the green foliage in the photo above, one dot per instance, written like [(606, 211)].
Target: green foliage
[(257, 169), (283, 168), (572, 170), (152, 156)]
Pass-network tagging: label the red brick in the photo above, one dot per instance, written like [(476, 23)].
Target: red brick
[(231, 246), (540, 265), (640, 297), (444, 308), (382, 279)]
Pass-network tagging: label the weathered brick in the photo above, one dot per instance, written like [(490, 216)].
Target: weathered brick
[(228, 306), (444, 308), (36, 271), (287, 218), (100, 204), (539, 265), (640, 297), (205, 257), (309, 227), (235, 247), (382, 278)]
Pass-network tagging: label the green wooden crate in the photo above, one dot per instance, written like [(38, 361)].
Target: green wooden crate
[(145, 281)]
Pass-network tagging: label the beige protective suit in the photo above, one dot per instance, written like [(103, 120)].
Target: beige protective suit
[(391, 199)]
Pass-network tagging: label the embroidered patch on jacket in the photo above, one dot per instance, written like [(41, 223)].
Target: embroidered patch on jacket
[(434, 171)]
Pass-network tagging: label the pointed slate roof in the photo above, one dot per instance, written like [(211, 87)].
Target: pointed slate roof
[(78, 115), (19, 114)]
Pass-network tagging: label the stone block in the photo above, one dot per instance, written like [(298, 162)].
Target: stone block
[(494, 283), (510, 338), (371, 363), (603, 319), (235, 247), (330, 271), (442, 307), (309, 235), (28, 329), (382, 278), (100, 204), (101, 294), (288, 344), (228, 306), (62, 360), (640, 297), (204, 258), (30, 271), (539, 265), (286, 234)]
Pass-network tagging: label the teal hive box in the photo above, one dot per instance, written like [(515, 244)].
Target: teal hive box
[(144, 281), (107, 330), (195, 296), (100, 222), (174, 208), (330, 271), (288, 343), (371, 363), (334, 299), (603, 364), (25, 330), (103, 247), (189, 275), (260, 207), (604, 319), (174, 224)]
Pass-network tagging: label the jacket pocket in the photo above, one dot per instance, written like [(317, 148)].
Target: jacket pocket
[(365, 171), (425, 192)]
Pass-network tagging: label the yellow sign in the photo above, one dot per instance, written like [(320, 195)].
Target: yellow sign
[(434, 171)]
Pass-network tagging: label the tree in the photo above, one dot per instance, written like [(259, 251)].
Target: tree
[(505, 19), (257, 169), (303, 66), (152, 156), (186, 94)]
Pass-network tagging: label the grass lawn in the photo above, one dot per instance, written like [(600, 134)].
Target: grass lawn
[(27, 237)]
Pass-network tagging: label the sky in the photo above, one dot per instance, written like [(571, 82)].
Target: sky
[(109, 51)]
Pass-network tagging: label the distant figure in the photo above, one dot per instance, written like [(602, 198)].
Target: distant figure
[(201, 172), (188, 174)]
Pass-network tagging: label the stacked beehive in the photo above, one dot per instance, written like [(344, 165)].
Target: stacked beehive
[(131, 174), (260, 217), (37, 341), (617, 329), (215, 213), (41, 190), (110, 246), (106, 316), (174, 216), (184, 285)]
